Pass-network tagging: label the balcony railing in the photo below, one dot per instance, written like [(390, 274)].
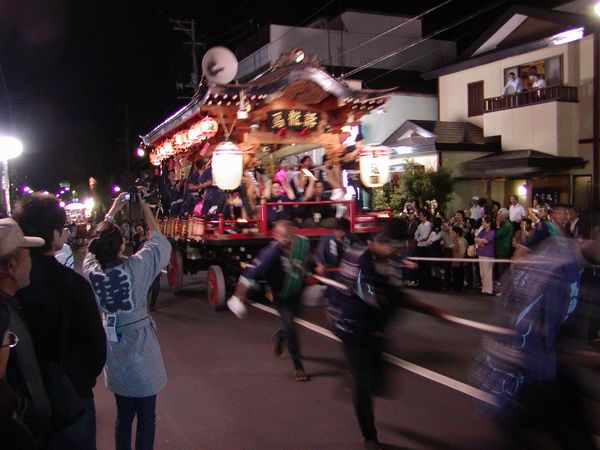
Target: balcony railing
[(547, 94)]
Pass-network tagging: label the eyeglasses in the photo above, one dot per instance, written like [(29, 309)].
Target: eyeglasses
[(13, 340)]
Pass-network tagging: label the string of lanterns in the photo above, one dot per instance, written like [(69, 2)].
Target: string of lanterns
[(227, 158), (183, 140)]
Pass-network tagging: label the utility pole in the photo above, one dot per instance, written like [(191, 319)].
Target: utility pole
[(189, 28)]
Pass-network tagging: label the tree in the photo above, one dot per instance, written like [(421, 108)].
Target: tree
[(416, 183)]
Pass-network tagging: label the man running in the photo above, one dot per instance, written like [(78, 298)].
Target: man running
[(281, 265), (360, 313)]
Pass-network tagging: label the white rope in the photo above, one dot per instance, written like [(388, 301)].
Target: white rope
[(494, 260)]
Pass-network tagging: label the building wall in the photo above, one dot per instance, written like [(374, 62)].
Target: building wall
[(586, 87), (358, 22), (399, 108), (550, 127), (328, 46)]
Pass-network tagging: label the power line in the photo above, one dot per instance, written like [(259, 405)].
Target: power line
[(426, 38), (419, 57), (368, 41)]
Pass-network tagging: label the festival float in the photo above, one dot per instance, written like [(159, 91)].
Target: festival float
[(291, 109)]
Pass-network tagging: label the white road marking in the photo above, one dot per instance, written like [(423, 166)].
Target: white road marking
[(418, 370)]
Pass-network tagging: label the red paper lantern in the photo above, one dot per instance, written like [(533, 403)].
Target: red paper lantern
[(209, 127)]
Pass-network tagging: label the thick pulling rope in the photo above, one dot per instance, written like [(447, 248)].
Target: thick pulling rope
[(448, 317)]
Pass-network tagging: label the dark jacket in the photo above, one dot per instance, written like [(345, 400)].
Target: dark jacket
[(56, 291), (371, 298), (24, 377)]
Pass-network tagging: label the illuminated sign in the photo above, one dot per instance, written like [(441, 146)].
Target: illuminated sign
[(293, 119)]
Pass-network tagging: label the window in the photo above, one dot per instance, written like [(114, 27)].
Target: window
[(475, 91), (550, 68)]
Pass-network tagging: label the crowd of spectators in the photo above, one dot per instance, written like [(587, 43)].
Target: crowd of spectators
[(483, 233), (54, 342)]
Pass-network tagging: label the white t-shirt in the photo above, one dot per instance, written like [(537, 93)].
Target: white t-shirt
[(476, 212), (422, 233), (516, 213)]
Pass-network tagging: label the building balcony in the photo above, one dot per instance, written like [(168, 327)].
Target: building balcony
[(548, 94), (548, 123)]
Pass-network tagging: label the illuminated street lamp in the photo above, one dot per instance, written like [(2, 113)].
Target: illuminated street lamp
[(140, 152), (10, 148)]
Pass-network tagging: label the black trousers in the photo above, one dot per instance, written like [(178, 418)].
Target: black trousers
[(364, 354), (424, 271), (458, 278), (288, 310)]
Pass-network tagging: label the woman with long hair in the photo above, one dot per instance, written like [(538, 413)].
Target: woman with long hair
[(134, 371)]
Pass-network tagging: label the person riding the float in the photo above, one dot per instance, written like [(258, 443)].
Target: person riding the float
[(279, 193), (214, 198), (317, 215)]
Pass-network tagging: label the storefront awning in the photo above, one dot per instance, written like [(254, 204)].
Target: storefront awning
[(517, 164)]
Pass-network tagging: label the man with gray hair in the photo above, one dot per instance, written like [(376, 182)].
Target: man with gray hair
[(23, 372)]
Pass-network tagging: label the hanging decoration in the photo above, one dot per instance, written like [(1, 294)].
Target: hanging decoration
[(374, 165), (227, 166), (200, 131), (208, 127)]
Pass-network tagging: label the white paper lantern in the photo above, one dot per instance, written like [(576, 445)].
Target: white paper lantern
[(227, 166), (374, 165)]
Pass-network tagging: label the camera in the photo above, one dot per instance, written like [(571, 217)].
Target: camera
[(132, 194)]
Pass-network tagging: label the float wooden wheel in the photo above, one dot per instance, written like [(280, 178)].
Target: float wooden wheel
[(215, 286), (175, 271)]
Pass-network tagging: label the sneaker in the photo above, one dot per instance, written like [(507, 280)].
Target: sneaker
[(237, 307)]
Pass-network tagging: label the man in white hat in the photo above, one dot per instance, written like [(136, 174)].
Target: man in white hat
[(23, 373)]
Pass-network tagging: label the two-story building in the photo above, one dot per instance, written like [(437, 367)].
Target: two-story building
[(548, 135)]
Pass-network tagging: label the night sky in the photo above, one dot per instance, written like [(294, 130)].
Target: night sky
[(71, 67)]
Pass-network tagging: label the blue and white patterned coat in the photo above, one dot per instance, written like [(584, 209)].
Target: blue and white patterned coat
[(134, 365)]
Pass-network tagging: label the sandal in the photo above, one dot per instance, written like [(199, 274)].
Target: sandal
[(301, 375)]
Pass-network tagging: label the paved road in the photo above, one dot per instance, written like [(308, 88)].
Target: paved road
[(227, 391)]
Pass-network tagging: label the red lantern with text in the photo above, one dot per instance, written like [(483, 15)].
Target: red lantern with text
[(208, 127), (168, 149), (374, 165), (227, 166), (180, 140)]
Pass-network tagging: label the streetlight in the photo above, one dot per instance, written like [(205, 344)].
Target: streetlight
[(10, 147), (140, 152)]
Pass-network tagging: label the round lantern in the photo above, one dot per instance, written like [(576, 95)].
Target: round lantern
[(374, 165), (209, 127), (180, 140), (194, 134), (167, 149), (154, 159), (227, 166)]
